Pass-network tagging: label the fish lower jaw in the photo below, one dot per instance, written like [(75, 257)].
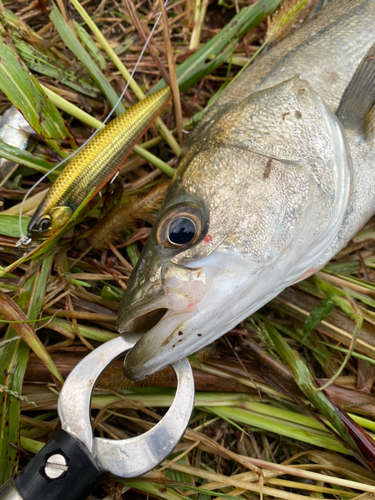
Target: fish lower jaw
[(139, 363)]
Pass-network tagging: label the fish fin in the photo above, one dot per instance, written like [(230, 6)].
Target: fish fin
[(359, 95), (370, 125)]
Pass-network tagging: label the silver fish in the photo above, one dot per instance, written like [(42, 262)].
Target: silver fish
[(276, 179)]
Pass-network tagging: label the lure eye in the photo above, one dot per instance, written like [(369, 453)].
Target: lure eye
[(45, 224), (182, 226)]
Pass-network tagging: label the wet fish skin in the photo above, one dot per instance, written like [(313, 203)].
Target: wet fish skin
[(281, 186), (95, 164)]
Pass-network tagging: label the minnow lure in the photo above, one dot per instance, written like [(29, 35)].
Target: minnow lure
[(95, 165)]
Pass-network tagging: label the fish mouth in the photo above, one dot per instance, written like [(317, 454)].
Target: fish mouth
[(145, 322), (142, 317), (186, 325)]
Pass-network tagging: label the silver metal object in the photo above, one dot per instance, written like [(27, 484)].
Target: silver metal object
[(14, 130), (8, 491), (56, 466), (128, 457)]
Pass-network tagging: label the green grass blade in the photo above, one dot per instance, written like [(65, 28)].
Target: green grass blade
[(26, 159), (80, 52), (323, 309), (307, 385), (282, 427), (10, 311), (200, 64), (13, 360), (43, 60), (155, 490), (96, 334), (24, 91), (106, 46), (72, 109), (31, 445), (90, 45), (162, 128), (160, 164), (9, 225)]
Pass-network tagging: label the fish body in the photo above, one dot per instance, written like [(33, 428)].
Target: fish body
[(95, 165), (270, 186)]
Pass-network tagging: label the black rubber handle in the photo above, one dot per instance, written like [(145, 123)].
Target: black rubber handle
[(75, 483)]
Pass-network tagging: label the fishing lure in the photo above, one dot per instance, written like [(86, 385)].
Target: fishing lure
[(95, 165)]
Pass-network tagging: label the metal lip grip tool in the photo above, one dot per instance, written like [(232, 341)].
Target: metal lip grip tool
[(73, 462)]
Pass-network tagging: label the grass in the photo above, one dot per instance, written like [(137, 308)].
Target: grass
[(262, 425)]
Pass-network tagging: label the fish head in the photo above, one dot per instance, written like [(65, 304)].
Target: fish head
[(46, 223), (157, 282), (256, 200)]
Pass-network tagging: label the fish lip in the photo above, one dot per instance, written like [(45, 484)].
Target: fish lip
[(134, 307), (136, 312), (163, 292)]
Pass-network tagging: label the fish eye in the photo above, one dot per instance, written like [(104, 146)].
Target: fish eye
[(181, 231), (45, 224), (182, 226)]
